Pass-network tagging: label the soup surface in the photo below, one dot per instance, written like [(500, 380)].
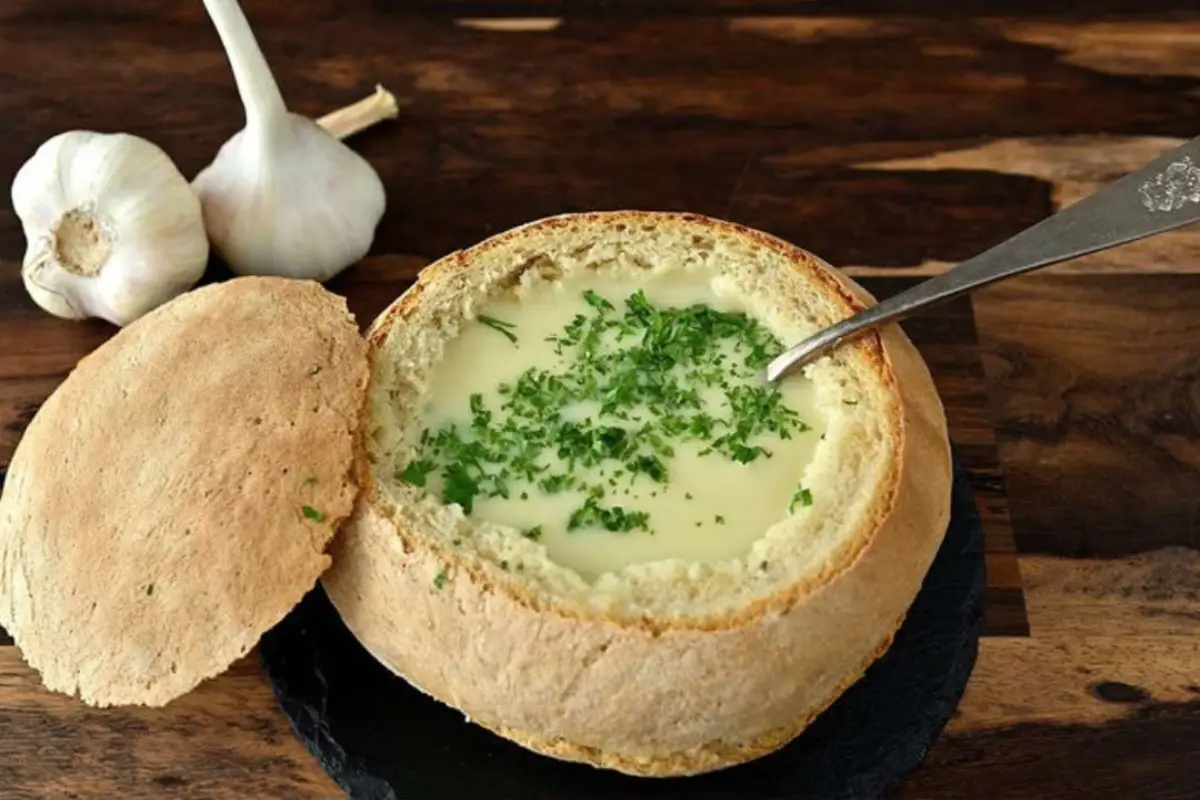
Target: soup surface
[(617, 420)]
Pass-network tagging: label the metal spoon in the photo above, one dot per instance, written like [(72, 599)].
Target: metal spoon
[(1161, 196)]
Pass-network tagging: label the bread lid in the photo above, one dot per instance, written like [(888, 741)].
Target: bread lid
[(173, 498)]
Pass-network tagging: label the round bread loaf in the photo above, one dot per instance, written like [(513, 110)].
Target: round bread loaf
[(668, 667), (173, 498)]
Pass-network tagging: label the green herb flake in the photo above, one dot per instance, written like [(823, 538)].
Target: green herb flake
[(720, 520), (311, 480), (596, 301), (533, 533), (500, 326), (802, 497), (651, 466), (439, 580), (311, 513), (556, 483), (416, 472), (616, 519), (460, 488)]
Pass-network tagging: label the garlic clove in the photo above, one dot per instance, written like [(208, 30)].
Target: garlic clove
[(113, 229), (300, 204)]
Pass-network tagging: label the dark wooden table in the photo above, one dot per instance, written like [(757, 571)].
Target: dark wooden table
[(891, 137)]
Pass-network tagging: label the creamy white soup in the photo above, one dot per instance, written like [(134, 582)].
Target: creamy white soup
[(617, 420)]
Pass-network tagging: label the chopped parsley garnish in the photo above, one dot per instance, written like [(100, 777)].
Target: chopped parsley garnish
[(416, 472), (460, 487), (500, 326), (633, 382), (555, 483), (311, 513), (596, 301), (616, 519), (802, 497), (439, 580), (533, 533), (651, 466)]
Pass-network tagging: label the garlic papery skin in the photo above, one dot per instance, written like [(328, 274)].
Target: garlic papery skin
[(113, 228), (292, 206), (283, 196)]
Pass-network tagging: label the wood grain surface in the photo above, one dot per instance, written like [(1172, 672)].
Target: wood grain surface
[(893, 138)]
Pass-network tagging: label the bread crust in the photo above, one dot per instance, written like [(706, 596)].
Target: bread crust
[(647, 695)]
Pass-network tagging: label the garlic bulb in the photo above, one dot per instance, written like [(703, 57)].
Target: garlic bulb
[(113, 229), (283, 196)]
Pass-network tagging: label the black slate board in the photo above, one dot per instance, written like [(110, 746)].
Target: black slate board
[(382, 740)]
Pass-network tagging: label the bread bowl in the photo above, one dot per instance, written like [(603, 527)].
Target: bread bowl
[(668, 658)]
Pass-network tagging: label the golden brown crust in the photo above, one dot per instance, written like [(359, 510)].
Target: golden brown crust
[(153, 524), (644, 694), (705, 758)]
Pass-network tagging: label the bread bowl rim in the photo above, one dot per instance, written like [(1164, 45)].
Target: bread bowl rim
[(785, 596)]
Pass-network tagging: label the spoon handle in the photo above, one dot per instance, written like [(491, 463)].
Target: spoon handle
[(1162, 195)]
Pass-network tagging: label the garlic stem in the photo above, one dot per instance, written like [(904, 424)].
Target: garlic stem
[(259, 92), (351, 119)]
